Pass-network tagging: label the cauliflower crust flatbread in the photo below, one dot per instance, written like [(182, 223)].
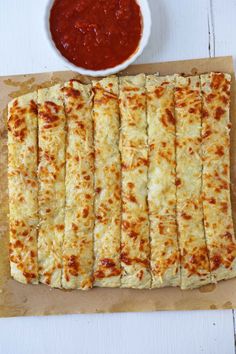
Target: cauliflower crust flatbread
[(124, 182)]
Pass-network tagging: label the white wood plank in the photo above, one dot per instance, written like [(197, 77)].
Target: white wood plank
[(179, 31), (224, 26), (191, 332), (24, 43)]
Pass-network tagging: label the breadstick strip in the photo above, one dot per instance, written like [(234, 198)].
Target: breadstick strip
[(23, 187), (216, 175), (194, 256), (135, 245), (51, 176), (107, 270), (161, 181), (79, 215)]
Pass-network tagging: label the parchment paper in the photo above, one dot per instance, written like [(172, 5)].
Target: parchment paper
[(26, 300)]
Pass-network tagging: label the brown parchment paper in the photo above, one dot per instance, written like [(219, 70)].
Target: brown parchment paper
[(25, 300)]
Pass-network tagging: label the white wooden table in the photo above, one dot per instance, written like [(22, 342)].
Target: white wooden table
[(182, 29)]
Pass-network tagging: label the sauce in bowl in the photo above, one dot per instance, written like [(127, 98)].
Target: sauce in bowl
[(96, 34)]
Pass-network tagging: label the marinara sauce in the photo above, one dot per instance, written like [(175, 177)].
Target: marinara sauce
[(96, 34)]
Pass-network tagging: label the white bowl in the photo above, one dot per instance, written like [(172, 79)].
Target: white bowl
[(146, 16)]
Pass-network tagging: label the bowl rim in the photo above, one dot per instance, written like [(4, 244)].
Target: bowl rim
[(147, 23)]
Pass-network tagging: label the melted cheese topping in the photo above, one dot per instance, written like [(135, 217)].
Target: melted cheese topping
[(192, 243), (216, 175), (132, 108), (161, 181), (23, 187), (79, 216), (135, 247), (107, 183), (74, 219), (51, 175)]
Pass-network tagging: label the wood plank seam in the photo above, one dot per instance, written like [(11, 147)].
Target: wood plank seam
[(234, 325), (211, 29)]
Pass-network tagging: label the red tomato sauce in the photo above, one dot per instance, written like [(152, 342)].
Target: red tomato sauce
[(96, 34)]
